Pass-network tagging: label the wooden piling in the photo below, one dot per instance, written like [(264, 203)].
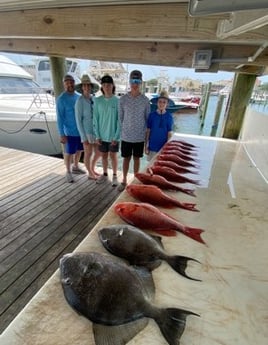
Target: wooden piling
[(57, 65), (204, 105), (241, 92), (214, 127)]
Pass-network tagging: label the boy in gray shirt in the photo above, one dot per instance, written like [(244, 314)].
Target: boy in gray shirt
[(134, 109)]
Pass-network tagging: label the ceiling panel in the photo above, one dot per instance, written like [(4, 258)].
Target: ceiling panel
[(12, 5)]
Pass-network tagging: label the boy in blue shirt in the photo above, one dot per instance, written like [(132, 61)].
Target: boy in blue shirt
[(159, 126)]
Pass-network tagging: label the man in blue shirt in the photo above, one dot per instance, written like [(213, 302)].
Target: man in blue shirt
[(69, 134)]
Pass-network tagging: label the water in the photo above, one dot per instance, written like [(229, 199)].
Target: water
[(190, 122)]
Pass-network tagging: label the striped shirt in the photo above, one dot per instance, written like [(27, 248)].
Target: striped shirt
[(133, 115)]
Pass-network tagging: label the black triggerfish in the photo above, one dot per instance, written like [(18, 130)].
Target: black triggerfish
[(110, 293), (140, 248)]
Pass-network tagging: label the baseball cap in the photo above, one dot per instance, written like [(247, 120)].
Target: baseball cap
[(107, 79), (68, 77), (135, 75)]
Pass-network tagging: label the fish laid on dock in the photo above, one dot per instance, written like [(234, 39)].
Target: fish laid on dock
[(139, 248), (176, 159), (182, 143), (117, 298), (162, 183), (155, 196), (185, 150), (179, 169), (148, 217), (171, 174), (186, 157)]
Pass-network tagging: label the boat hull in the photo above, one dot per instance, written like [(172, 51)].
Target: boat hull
[(27, 112), (37, 136)]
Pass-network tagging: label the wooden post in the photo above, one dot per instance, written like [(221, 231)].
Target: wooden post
[(57, 66), (243, 85), (205, 104), (217, 116)]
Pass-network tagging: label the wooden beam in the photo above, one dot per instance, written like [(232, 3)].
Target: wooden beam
[(151, 22), (242, 89), (166, 54), (242, 21)]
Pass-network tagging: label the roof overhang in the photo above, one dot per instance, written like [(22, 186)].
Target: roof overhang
[(148, 32)]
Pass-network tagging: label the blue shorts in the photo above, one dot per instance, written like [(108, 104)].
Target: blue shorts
[(107, 147), (128, 149), (73, 145)]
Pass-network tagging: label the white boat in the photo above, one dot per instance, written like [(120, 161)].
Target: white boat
[(27, 112), (42, 71), (116, 70)]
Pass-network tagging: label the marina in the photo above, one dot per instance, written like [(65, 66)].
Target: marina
[(234, 280), (44, 218)]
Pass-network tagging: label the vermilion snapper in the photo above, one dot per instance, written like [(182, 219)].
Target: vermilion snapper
[(155, 196), (171, 175), (179, 149), (146, 216), (183, 149), (162, 183), (175, 166), (176, 159), (181, 142), (186, 157)]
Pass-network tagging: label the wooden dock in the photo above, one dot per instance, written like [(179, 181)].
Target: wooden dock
[(42, 217)]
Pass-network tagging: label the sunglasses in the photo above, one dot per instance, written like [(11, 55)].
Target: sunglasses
[(135, 81)]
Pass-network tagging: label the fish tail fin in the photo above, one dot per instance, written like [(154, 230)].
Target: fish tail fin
[(179, 264), (171, 322), (188, 206), (187, 191), (194, 233)]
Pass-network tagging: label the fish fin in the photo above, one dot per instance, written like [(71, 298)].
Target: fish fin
[(179, 264), (166, 232), (189, 206), (172, 322), (194, 233), (158, 239), (148, 282), (118, 335), (187, 191)]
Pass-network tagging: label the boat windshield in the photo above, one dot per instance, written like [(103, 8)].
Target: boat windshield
[(18, 85)]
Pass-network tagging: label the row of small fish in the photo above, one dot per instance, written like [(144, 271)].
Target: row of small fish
[(146, 216), (118, 297)]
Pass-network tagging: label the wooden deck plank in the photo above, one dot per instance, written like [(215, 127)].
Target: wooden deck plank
[(41, 218)]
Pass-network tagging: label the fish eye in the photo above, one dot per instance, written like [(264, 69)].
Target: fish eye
[(67, 281)]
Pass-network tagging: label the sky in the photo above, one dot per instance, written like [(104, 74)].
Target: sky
[(152, 72)]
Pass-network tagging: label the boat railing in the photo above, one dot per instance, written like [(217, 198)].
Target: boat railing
[(41, 99)]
